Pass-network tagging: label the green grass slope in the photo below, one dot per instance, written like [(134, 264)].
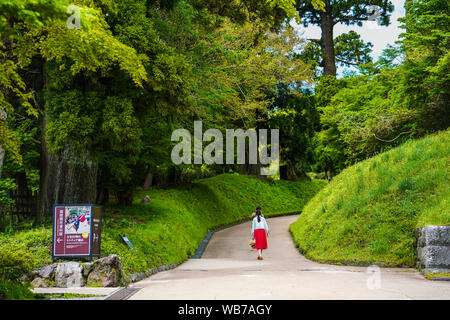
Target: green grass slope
[(369, 212), (171, 227)]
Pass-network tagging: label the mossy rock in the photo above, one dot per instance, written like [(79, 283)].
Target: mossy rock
[(107, 271)]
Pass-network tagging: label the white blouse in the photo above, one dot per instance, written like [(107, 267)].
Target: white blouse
[(259, 225)]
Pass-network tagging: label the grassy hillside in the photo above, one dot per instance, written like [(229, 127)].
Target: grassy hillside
[(170, 228), (369, 212)]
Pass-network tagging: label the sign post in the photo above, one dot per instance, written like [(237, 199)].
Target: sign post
[(76, 230), (127, 241)]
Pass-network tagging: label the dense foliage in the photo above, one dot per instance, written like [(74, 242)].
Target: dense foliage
[(362, 115), (93, 97)]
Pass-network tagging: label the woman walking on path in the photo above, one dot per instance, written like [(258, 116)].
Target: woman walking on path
[(260, 231)]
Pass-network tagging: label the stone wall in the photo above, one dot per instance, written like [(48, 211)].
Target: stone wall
[(433, 249), (105, 272)]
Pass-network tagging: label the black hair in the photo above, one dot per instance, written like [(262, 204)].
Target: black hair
[(258, 213)]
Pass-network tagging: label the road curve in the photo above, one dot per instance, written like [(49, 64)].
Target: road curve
[(229, 269)]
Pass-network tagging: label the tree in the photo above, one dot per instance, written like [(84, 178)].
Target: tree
[(111, 103), (15, 18), (403, 95), (349, 50), (294, 114), (425, 79), (17, 112), (77, 65), (349, 12), (236, 68), (105, 95), (329, 154), (271, 13)]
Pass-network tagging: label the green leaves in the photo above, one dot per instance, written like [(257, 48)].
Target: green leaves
[(5, 186), (351, 50), (427, 67), (362, 112), (120, 125), (427, 27), (404, 94), (346, 12), (288, 6), (30, 12), (91, 48)]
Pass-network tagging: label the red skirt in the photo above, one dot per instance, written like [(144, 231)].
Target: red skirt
[(260, 239)]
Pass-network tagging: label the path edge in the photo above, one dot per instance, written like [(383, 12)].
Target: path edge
[(202, 247), (135, 277)]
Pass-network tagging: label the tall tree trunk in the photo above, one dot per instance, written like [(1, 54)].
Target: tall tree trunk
[(3, 117), (327, 44), (288, 172), (148, 180), (69, 178), (2, 157)]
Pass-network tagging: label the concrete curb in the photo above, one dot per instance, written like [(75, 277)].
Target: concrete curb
[(421, 263), (439, 279), (101, 291), (135, 277)]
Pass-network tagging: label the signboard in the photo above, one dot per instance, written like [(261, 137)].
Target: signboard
[(76, 230), (96, 230)]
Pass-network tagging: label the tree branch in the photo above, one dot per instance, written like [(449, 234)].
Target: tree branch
[(38, 108), (348, 62), (349, 18), (402, 133)]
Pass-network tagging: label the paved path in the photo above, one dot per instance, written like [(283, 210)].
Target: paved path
[(229, 269)]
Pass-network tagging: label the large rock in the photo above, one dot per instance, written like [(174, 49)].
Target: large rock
[(433, 249), (87, 267), (106, 272), (69, 275), (40, 283), (47, 271)]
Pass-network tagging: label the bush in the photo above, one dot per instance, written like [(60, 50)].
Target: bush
[(13, 264), (13, 290)]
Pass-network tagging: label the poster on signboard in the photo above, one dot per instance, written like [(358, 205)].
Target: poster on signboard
[(73, 232)]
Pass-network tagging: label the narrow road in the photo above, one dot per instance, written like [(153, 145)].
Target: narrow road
[(229, 269)]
